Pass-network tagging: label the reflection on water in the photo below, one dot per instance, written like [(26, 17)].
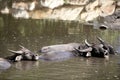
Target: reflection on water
[(34, 34)]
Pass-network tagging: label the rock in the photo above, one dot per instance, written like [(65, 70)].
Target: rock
[(17, 13), (52, 3), (5, 10), (105, 1), (108, 22), (66, 13), (92, 6), (98, 25), (77, 2), (107, 8), (83, 16), (118, 3), (41, 14), (90, 16), (113, 21), (62, 9), (32, 5), (24, 5), (20, 5)]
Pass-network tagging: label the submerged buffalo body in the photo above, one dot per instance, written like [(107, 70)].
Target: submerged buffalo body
[(60, 47), (4, 64), (60, 51), (56, 56)]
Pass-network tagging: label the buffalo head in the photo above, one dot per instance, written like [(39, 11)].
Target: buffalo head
[(106, 46), (23, 54), (97, 50)]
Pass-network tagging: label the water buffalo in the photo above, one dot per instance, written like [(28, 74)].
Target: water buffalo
[(23, 54), (53, 55), (14, 58), (106, 46), (97, 50), (60, 47), (56, 55), (4, 64), (61, 51)]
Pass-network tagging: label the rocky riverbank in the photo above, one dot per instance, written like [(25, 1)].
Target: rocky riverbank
[(77, 10)]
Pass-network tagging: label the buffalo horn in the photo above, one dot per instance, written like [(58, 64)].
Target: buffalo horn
[(86, 50), (101, 40), (86, 42), (22, 47), (18, 52)]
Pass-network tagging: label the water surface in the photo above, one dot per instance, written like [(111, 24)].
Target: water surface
[(34, 34)]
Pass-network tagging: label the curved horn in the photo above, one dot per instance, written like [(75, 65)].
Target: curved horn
[(18, 52), (86, 42), (101, 40), (22, 46)]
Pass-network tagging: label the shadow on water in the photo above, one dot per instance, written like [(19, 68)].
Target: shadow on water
[(35, 34)]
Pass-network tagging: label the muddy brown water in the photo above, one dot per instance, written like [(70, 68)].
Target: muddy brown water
[(34, 34)]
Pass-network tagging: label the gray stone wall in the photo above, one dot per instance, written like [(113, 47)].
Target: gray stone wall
[(80, 10)]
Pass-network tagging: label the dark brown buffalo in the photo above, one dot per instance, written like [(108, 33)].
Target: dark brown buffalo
[(22, 54), (96, 50)]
